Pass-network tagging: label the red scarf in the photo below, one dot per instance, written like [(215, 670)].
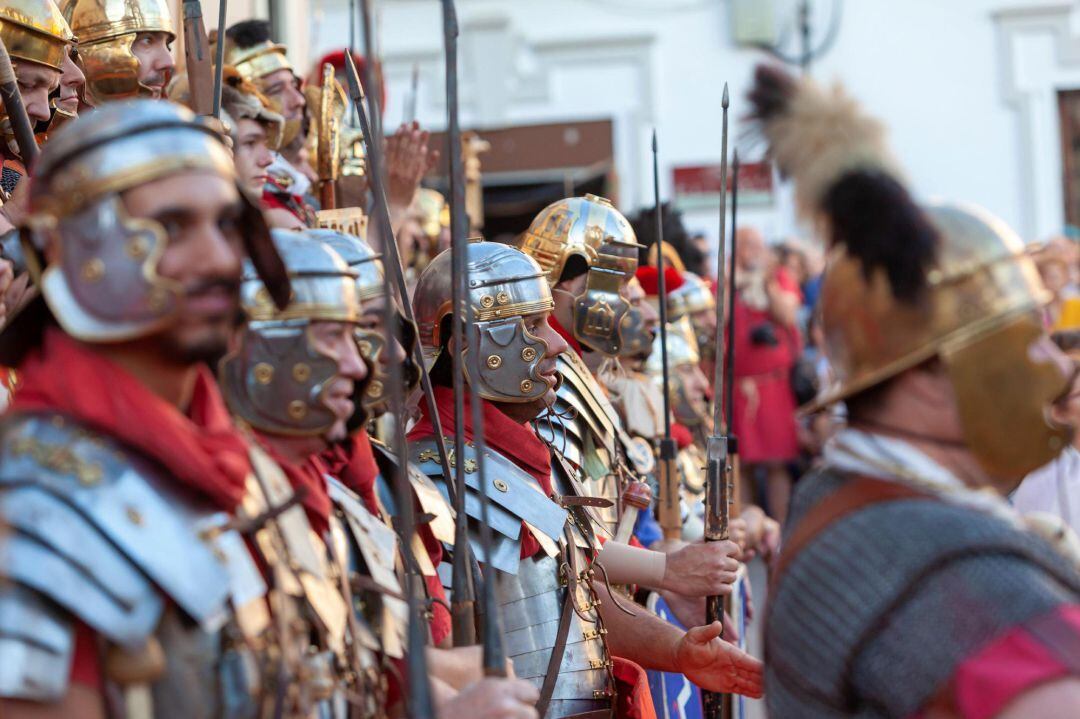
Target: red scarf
[(516, 441), (354, 465), (202, 450), (309, 481)]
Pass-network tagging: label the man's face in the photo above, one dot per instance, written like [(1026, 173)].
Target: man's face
[(156, 65), (72, 80), (35, 83), (695, 387), (539, 326), (372, 320), (252, 156), (335, 340), (282, 87), (751, 249), (200, 213)]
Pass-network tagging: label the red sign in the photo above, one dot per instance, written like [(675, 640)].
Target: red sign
[(700, 184)]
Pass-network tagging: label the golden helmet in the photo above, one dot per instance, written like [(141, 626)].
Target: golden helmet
[(573, 226), (906, 284), (691, 297), (259, 60), (106, 30), (35, 31), (433, 212)]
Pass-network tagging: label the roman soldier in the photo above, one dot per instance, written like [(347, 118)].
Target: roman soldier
[(257, 130), (124, 47), (250, 48), (693, 298), (564, 628), (118, 454), (39, 42), (944, 604)]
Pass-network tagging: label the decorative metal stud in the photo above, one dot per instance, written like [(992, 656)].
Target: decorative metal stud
[(134, 516), (526, 385), (487, 301), (301, 372), (93, 270), (264, 373), (528, 354), (375, 389), (494, 361), (501, 486), (297, 409), (137, 247), (502, 298)]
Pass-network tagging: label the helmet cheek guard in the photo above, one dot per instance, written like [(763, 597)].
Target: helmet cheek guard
[(276, 380), (510, 358)]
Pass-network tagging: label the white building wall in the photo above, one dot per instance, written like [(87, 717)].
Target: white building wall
[(967, 87)]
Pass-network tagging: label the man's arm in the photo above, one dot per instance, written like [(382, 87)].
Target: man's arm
[(695, 570), (700, 654), (1056, 700)]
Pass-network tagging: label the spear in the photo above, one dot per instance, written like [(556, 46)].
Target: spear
[(419, 701), (16, 111), (720, 443), (494, 654), (219, 57), (670, 516)]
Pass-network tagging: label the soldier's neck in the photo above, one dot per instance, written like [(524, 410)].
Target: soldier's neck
[(171, 381)]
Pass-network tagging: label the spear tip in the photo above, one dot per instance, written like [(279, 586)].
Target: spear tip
[(724, 102), (654, 140)]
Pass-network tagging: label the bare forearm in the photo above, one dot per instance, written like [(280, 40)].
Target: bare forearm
[(643, 638)]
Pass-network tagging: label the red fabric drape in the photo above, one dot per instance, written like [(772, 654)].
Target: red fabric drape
[(201, 449)]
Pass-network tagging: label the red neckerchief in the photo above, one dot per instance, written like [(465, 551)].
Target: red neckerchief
[(202, 449), (309, 481), (516, 441), (565, 334), (353, 464)]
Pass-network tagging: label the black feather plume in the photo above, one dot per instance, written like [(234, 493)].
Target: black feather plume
[(872, 215), (248, 33)]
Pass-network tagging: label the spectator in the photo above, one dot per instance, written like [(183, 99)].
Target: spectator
[(1057, 263), (767, 344)]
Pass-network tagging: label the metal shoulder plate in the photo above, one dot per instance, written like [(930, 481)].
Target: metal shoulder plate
[(431, 500), (580, 391), (98, 532), (514, 497)]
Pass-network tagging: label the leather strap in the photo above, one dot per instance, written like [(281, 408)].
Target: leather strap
[(551, 676), (859, 493)]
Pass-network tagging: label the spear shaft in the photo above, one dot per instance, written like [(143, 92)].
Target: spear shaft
[(717, 468), (419, 701), (219, 57), (16, 111), (670, 516)]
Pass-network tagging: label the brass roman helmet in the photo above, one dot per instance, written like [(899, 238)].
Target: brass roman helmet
[(905, 284), (591, 228), (102, 284), (259, 60), (506, 287), (276, 379), (35, 31), (106, 30)]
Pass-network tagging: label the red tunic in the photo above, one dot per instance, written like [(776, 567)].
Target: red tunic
[(765, 424)]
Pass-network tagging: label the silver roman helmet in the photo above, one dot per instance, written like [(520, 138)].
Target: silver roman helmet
[(683, 357), (368, 266), (506, 286), (275, 379), (102, 283)]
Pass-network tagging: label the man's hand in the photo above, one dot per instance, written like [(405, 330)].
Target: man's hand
[(762, 533), (715, 665), (703, 569), (494, 699), (408, 159)]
